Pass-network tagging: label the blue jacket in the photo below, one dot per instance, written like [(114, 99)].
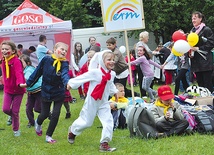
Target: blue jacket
[(53, 84)]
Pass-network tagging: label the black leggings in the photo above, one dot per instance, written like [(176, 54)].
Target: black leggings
[(204, 79), (181, 77), (45, 109)]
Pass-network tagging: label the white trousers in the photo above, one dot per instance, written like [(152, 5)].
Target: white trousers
[(87, 116)]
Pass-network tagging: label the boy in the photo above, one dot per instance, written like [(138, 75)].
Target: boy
[(118, 108), (168, 115), (121, 67)]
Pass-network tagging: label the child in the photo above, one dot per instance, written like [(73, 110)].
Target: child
[(54, 72), (144, 61), (34, 92), (118, 108), (13, 76), (75, 58), (96, 103), (133, 68), (68, 98), (84, 69), (168, 115)]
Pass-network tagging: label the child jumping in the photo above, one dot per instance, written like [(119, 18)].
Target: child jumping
[(96, 103), (54, 72), (13, 76)]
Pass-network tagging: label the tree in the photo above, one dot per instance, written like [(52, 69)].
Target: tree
[(8, 6), (163, 17), (94, 11)]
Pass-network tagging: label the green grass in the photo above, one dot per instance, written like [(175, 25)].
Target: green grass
[(88, 142)]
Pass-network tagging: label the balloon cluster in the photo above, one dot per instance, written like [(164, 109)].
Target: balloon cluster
[(183, 43)]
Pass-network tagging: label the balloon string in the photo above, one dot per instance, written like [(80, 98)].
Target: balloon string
[(200, 52)]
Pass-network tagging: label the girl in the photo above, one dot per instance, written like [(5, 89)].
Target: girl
[(13, 76), (96, 102), (84, 69), (144, 61), (54, 72), (34, 92), (77, 55), (133, 68)]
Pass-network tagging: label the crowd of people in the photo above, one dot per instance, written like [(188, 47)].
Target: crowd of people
[(47, 77)]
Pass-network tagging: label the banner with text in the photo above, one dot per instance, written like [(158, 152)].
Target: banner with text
[(120, 15)]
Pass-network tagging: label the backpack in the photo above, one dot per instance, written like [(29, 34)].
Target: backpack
[(205, 121), (191, 119), (141, 123)]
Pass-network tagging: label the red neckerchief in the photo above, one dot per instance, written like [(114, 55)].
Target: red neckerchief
[(97, 93)]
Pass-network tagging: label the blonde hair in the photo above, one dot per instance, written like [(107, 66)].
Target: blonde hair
[(91, 53), (58, 44), (119, 85), (107, 53), (143, 34)]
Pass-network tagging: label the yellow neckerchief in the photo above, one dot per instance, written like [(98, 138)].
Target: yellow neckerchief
[(58, 62), (160, 104), (7, 65), (120, 99)]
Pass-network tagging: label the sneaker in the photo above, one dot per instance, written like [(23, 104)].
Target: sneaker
[(160, 135), (29, 125), (50, 140), (17, 133), (74, 100), (152, 100), (155, 94), (71, 137), (104, 147), (82, 97), (68, 115), (9, 120), (38, 129)]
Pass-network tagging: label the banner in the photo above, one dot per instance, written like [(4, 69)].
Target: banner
[(120, 15)]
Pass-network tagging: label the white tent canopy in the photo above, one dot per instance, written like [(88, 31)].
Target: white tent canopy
[(29, 19), (27, 22)]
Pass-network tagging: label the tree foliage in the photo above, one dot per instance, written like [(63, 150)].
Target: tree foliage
[(162, 17), (8, 6)]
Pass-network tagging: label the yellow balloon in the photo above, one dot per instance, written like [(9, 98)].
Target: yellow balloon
[(192, 39), (176, 53)]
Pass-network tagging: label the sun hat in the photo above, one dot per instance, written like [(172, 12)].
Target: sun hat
[(165, 92)]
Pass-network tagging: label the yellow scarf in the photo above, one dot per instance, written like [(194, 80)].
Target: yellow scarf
[(58, 62), (160, 104), (7, 65), (120, 99)]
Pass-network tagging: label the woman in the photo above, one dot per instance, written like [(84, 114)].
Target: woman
[(202, 66)]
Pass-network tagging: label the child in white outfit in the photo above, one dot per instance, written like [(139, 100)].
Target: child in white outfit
[(96, 103)]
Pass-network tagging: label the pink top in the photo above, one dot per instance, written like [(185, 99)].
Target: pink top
[(145, 65), (11, 84)]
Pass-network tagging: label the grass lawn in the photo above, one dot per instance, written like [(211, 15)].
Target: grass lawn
[(88, 142)]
